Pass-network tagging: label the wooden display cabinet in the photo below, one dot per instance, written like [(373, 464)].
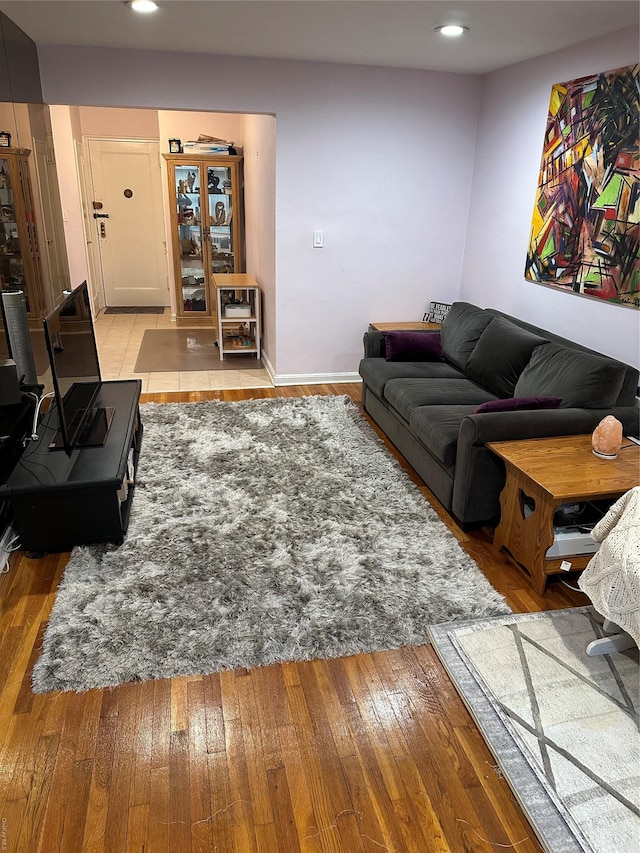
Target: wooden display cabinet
[(207, 228), (19, 251)]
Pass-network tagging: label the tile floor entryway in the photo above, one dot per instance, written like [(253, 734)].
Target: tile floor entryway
[(119, 337)]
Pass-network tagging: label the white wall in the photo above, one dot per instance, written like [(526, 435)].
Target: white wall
[(380, 159), (511, 130), (132, 124), (260, 222), (64, 128), (15, 119)]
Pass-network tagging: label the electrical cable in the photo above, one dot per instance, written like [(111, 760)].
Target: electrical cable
[(34, 435), (25, 460), (6, 552), (11, 546)]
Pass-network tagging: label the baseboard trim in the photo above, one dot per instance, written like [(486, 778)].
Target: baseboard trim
[(306, 378), (264, 358), (315, 378)]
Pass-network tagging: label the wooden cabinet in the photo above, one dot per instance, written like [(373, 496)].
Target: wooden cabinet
[(19, 251), (207, 227), (239, 318)]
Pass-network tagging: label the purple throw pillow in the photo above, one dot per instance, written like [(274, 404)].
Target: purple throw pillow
[(514, 404), (413, 346)]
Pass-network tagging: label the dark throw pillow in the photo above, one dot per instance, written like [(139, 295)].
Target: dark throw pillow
[(584, 380), (516, 404), (413, 346), (501, 354)]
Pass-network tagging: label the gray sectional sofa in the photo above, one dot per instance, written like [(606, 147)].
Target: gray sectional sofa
[(425, 397)]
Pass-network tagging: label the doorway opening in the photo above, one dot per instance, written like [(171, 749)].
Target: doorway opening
[(118, 225)]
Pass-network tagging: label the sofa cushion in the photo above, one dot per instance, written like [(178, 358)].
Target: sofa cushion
[(407, 394), (377, 371), (501, 354), (460, 331), (412, 346), (516, 404), (437, 427), (583, 380)]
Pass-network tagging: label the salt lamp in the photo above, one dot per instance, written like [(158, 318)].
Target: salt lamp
[(607, 438)]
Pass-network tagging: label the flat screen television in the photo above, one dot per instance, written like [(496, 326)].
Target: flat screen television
[(75, 372)]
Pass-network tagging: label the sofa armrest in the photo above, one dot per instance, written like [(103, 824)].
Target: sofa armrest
[(541, 423), (479, 475), (374, 345)]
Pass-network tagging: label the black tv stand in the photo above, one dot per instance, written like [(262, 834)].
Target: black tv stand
[(60, 501)]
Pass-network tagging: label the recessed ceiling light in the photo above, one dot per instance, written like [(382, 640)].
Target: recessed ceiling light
[(143, 6), (452, 30)]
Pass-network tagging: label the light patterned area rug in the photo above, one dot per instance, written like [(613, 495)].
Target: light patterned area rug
[(563, 726), (261, 531)]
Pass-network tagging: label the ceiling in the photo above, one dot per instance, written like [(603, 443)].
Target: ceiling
[(393, 33)]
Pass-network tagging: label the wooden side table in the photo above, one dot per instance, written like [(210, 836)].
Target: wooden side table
[(543, 474), (405, 327)]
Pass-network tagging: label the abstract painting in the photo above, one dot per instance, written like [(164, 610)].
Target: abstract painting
[(585, 231)]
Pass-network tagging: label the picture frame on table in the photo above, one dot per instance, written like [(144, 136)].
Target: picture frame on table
[(437, 312)]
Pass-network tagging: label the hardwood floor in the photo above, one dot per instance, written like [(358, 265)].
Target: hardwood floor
[(360, 754)]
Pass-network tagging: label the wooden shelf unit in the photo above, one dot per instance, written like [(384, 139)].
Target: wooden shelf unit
[(238, 334), (19, 248)]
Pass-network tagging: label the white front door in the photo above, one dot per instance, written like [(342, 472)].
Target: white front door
[(126, 188)]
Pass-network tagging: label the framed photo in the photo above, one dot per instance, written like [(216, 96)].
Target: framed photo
[(437, 312), (5, 139), (175, 146)]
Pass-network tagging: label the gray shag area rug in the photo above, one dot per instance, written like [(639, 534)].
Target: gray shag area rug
[(261, 531)]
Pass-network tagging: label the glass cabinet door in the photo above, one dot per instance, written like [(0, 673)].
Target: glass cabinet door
[(208, 233), (12, 272), (220, 189), (190, 237)]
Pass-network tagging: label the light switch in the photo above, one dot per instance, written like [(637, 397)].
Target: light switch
[(318, 239)]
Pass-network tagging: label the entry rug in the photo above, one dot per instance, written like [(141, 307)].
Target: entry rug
[(173, 350), (261, 531), (563, 726), (134, 309)]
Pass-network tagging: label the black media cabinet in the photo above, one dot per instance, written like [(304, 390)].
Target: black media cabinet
[(60, 501), (15, 424)]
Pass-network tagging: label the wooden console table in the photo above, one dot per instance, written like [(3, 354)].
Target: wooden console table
[(543, 474), (416, 326)]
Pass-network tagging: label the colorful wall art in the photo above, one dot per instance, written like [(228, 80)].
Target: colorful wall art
[(585, 232)]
